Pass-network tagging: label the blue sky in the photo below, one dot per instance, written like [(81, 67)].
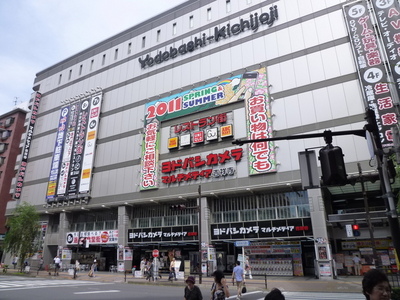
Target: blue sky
[(37, 34)]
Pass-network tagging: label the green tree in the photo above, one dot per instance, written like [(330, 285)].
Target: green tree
[(23, 232)]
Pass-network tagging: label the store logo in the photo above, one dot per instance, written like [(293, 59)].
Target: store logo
[(253, 23)]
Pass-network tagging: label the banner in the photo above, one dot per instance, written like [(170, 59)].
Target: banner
[(370, 64)]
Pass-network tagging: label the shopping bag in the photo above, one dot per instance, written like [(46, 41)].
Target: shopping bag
[(90, 274), (71, 272), (244, 289)]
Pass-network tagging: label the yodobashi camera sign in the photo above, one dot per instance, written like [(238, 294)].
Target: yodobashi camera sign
[(253, 22)]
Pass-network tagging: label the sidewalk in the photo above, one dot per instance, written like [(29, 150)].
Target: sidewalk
[(344, 284)]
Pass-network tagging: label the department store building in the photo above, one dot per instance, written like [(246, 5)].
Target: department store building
[(132, 138)]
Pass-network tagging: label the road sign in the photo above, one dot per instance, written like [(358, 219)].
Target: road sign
[(156, 253), (242, 243)]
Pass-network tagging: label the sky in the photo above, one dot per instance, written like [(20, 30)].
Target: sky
[(37, 34)]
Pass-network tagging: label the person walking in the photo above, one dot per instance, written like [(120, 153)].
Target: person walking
[(219, 290), (238, 275), (172, 272), (41, 262), (192, 291), (357, 265), (57, 265), (275, 294), (376, 286)]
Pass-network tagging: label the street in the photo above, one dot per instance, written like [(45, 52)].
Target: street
[(22, 288)]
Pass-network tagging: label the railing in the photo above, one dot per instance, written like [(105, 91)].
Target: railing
[(393, 276)]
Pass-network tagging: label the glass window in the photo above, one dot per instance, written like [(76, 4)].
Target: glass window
[(144, 222), (158, 35), (156, 222), (267, 214), (99, 226), (129, 48), (228, 6), (184, 220), (195, 219), (80, 227), (91, 64), (286, 212), (217, 217), (169, 221), (59, 79), (70, 75), (80, 69), (2, 159), (191, 22), (248, 215), (209, 14), (116, 54), (89, 226), (174, 29), (231, 216), (110, 225), (104, 60), (303, 210), (143, 42)]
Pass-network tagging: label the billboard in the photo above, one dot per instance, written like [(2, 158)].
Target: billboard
[(250, 88)]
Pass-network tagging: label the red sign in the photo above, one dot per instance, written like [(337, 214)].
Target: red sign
[(155, 253)]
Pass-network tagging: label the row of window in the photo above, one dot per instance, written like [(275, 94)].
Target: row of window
[(143, 43), (7, 122)]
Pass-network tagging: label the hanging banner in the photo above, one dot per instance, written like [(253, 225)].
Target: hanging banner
[(371, 69), (25, 151)]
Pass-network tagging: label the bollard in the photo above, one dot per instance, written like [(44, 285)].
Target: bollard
[(265, 280)]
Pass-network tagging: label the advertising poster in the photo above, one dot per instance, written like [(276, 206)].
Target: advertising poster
[(250, 88)]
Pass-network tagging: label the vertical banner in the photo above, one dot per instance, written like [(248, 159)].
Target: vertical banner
[(370, 65), (150, 151), (25, 151), (90, 144), (57, 155), (79, 146), (259, 123), (68, 147)]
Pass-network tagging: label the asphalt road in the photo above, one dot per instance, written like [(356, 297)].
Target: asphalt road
[(23, 288)]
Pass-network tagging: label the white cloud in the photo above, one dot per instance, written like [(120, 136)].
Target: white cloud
[(40, 33)]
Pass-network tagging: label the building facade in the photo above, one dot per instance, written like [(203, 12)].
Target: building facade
[(133, 149)]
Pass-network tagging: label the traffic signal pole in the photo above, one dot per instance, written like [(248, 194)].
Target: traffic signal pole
[(372, 128)]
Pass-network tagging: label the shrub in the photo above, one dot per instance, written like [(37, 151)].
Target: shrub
[(396, 293)]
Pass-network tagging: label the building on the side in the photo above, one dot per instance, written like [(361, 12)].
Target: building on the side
[(133, 140), (12, 127)]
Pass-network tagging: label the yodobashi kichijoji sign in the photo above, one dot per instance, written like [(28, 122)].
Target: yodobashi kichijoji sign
[(73, 155), (251, 87), (27, 147), (369, 61)]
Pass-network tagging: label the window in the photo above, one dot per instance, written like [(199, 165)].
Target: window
[(184, 220), (89, 226), (116, 54), (104, 60), (144, 222), (3, 147), (99, 226), (59, 79), (231, 216), (91, 64), (156, 222), (80, 70), (191, 22), (228, 6), (143, 42), (169, 221), (209, 14), (2, 159), (129, 48), (69, 74), (248, 215), (5, 134), (267, 214), (174, 29), (9, 121), (109, 225), (158, 35)]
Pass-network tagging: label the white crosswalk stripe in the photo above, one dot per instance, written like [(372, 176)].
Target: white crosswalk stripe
[(27, 284), (322, 296)]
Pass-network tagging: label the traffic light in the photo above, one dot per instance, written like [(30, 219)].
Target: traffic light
[(177, 207), (356, 229), (332, 165), (372, 127)]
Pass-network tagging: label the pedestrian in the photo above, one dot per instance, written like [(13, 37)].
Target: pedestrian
[(376, 286), (143, 267), (192, 291), (357, 265), (57, 264), (150, 270), (238, 275), (77, 266), (219, 290), (275, 294), (95, 265), (41, 262), (15, 261), (172, 271)]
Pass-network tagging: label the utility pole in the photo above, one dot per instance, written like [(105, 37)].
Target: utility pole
[(200, 248)]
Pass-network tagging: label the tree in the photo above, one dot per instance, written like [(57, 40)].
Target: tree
[(23, 232)]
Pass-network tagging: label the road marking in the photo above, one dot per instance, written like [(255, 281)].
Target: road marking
[(11, 285), (97, 292)]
